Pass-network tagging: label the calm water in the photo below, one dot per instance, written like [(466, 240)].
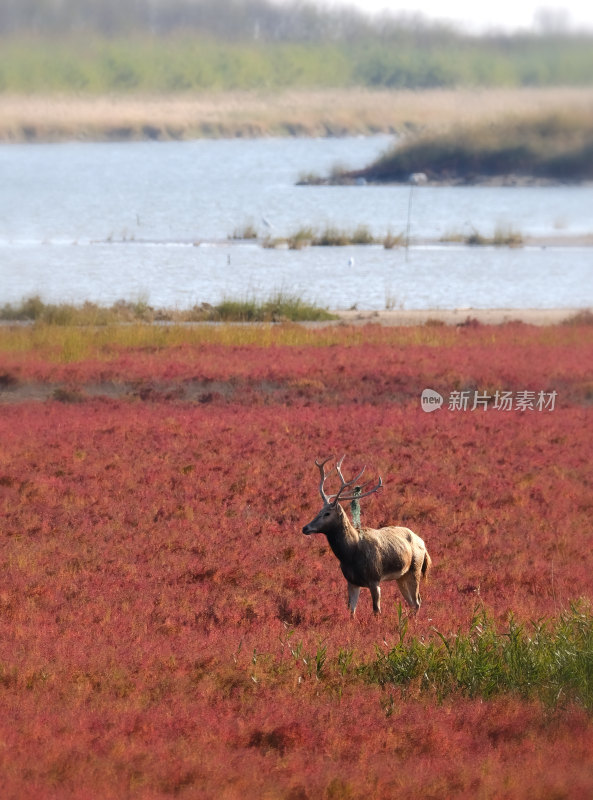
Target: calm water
[(150, 220)]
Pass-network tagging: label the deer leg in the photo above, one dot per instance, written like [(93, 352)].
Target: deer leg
[(375, 591), (353, 593), (409, 587)]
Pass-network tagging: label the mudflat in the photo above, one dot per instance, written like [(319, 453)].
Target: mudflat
[(462, 316)]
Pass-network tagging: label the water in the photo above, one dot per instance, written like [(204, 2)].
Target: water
[(102, 222)]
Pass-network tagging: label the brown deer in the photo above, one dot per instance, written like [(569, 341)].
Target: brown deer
[(368, 556)]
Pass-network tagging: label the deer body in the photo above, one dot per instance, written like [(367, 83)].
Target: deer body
[(367, 556)]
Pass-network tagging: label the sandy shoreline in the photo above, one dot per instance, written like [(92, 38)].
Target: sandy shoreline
[(460, 316)]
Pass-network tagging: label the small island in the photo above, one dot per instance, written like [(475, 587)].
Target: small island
[(554, 148)]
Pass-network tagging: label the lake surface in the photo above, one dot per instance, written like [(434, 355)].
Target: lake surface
[(151, 221)]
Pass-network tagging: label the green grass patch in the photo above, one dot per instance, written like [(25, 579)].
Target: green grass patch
[(69, 334), (280, 306), (277, 308), (548, 660)]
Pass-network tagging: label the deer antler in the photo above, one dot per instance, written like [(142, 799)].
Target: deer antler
[(352, 483), (324, 475), (333, 498), (356, 496)]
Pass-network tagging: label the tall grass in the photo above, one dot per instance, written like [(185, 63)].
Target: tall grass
[(548, 660), (279, 306)]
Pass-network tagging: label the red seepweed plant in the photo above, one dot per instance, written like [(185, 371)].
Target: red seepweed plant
[(166, 629)]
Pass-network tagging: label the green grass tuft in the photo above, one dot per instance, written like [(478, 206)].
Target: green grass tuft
[(277, 308), (548, 660)]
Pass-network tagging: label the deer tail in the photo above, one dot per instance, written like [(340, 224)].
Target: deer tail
[(426, 565)]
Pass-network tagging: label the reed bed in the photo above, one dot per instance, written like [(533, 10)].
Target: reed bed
[(58, 116)]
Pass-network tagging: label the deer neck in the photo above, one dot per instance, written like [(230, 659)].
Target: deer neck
[(343, 537)]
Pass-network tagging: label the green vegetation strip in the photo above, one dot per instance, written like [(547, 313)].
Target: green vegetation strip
[(279, 307), (69, 334), (546, 660), (551, 661), (555, 147), (404, 59)]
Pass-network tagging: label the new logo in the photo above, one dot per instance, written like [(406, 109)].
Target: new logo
[(430, 400)]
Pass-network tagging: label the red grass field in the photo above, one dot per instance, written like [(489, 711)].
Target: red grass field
[(166, 629)]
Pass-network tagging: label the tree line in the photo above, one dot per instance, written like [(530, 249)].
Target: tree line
[(296, 21), (187, 45)]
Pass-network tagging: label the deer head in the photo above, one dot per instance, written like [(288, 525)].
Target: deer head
[(331, 512)]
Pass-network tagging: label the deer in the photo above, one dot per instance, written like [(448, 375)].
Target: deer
[(369, 556)]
